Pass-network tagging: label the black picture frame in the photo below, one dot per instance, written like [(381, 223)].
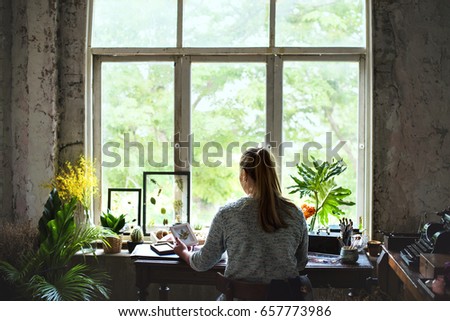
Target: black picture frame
[(166, 197), (115, 205)]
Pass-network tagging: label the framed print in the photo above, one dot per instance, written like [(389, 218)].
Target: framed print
[(166, 199), (162, 248), (184, 233), (126, 201)]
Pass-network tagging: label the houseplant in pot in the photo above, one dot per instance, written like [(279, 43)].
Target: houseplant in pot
[(316, 184), (47, 272), (113, 226), (137, 237)]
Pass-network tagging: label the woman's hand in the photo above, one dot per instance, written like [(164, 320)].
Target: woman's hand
[(181, 250), (179, 246)]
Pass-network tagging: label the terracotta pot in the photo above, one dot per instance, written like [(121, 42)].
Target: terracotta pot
[(115, 245)]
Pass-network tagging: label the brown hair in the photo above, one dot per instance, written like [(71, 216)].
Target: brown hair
[(260, 165)]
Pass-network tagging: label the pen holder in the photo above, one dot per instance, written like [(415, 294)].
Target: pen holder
[(349, 254)]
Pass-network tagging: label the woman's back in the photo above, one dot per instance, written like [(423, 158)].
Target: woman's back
[(253, 254)]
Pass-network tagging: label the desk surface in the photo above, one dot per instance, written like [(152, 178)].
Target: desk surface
[(324, 270)]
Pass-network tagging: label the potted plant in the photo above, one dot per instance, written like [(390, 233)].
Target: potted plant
[(47, 272), (113, 226), (317, 183), (137, 237)]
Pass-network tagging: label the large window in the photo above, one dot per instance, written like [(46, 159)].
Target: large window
[(187, 85)]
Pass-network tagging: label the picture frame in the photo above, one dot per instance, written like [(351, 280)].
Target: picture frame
[(166, 199), (185, 233), (162, 248), (126, 201)]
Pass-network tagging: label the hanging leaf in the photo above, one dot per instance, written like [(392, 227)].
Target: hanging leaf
[(163, 210), (153, 200)]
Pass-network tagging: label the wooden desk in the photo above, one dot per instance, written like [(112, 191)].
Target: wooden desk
[(398, 280), (323, 271)]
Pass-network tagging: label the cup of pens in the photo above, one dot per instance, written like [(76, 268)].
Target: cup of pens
[(349, 254)]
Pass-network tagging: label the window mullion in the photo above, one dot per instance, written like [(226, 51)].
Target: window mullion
[(96, 123), (274, 113), (180, 24), (272, 23), (182, 126)]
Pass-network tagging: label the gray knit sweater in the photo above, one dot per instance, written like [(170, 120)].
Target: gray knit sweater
[(252, 254)]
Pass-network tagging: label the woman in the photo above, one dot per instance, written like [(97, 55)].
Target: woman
[(264, 234)]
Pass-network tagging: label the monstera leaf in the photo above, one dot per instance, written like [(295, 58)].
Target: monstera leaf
[(318, 183)]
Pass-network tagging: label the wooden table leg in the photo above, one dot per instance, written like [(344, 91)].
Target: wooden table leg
[(142, 282), (163, 292), (142, 294)]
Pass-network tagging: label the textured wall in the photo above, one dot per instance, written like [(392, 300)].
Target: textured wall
[(5, 99), (33, 103), (411, 41), (72, 55), (6, 211), (42, 98)]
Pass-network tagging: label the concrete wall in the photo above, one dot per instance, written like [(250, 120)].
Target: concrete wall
[(411, 45), (42, 85), (5, 99), (42, 90)]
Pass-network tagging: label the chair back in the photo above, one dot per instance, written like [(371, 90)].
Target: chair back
[(292, 289), (241, 290)]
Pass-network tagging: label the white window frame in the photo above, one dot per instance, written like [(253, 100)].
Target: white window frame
[(273, 57)]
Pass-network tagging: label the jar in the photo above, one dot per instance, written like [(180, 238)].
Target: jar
[(438, 285), (349, 254)]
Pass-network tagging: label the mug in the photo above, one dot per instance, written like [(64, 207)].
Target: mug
[(374, 247)]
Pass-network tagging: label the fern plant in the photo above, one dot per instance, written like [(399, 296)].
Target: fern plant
[(47, 273), (318, 183)]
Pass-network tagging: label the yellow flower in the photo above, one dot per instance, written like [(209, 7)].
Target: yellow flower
[(78, 181)]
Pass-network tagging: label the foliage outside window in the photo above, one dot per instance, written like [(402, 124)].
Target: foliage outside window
[(243, 75)]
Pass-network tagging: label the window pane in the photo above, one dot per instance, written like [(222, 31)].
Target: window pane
[(137, 122), (228, 110), (134, 23), (320, 23), (320, 109), (224, 23)]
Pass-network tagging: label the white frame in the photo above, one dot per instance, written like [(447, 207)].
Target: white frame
[(190, 240), (273, 56)]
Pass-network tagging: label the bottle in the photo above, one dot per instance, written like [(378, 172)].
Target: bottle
[(438, 285)]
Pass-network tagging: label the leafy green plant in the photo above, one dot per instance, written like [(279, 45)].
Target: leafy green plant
[(318, 183), (47, 273), (113, 223)]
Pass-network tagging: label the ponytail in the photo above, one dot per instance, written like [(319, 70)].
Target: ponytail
[(260, 165)]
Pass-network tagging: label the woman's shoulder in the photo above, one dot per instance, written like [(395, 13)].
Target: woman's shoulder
[(237, 205)]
